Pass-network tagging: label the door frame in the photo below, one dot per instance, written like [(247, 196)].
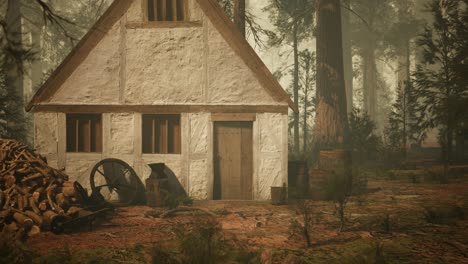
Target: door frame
[(234, 117)]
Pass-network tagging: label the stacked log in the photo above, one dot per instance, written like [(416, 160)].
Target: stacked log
[(33, 195)]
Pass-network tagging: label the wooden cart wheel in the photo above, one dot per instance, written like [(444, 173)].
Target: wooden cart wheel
[(117, 182)]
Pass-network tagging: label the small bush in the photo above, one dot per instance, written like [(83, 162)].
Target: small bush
[(304, 209), (369, 254), (13, 250), (443, 214), (160, 255), (172, 201), (200, 243), (245, 256), (338, 188)]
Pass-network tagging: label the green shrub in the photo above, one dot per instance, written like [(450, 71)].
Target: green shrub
[(338, 188), (159, 255), (172, 201), (443, 214), (200, 243), (13, 250)]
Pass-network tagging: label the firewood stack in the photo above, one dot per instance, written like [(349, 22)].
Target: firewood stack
[(33, 195)]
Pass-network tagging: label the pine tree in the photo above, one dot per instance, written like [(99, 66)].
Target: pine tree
[(403, 118), (440, 81), (363, 139), (293, 22), (370, 24), (307, 96)]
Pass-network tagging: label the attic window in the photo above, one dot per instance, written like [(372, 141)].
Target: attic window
[(84, 133), (161, 134), (166, 10)]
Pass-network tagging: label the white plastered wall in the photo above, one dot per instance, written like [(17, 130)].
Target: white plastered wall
[(160, 66), (193, 167), (157, 66)]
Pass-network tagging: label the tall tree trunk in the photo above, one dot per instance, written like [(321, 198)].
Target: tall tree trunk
[(296, 87), (404, 64), (370, 83), (331, 121), (347, 56), (14, 71), (405, 118), (305, 114), (304, 127), (449, 128), (239, 15), (33, 69)]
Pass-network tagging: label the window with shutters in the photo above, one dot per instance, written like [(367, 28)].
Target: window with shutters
[(161, 134), (166, 10), (84, 133)]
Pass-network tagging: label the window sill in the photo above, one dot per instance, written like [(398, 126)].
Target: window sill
[(163, 24), (160, 155), (84, 153)]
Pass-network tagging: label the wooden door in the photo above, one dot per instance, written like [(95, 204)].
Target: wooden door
[(233, 161)]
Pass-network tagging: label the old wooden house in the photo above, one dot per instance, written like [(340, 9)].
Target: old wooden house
[(168, 81)]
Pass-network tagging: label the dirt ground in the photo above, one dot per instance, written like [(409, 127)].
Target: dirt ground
[(390, 222)]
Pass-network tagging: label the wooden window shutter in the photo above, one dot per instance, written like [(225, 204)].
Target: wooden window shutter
[(166, 10), (84, 133), (161, 134)]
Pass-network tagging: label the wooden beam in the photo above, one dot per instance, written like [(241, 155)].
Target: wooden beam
[(144, 6), (88, 137), (163, 24), (155, 10), (174, 10), (184, 10), (233, 117), (163, 9), (153, 135), (162, 109), (77, 134)]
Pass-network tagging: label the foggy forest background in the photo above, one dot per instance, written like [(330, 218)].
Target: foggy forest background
[(405, 67)]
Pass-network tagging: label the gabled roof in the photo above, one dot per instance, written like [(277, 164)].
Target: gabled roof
[(118, 8)]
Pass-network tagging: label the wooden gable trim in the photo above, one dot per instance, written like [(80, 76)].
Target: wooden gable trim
[(79, 53), (165, 109), (118, 8), (240, 45)]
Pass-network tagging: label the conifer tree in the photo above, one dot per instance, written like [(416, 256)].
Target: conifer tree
[(440, 80), (403, 119), (293, 22)]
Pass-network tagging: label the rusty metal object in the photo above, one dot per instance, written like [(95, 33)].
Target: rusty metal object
[(117, 182), (54, 222)]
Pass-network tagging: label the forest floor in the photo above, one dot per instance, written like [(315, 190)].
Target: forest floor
[(398, 222)]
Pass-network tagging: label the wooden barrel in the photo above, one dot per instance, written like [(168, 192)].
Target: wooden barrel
[(298, 179), (335, 159), (278, 195), (330, 161)]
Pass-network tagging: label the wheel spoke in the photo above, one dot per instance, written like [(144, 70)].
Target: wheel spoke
[(102, 173), (120, 180)]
